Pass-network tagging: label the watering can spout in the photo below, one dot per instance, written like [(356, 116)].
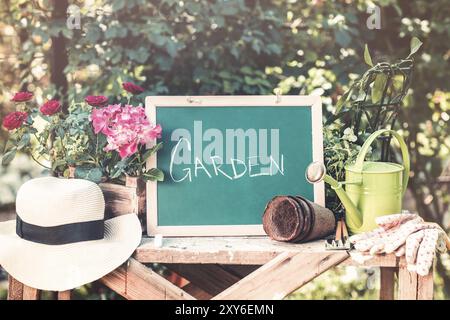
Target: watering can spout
[(316, 172)]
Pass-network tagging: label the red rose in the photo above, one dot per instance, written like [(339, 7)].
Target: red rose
[(14, 120), (132, 88), (50, 107), (96, 101), (22, 96)]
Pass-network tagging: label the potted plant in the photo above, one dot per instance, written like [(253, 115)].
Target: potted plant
[(371, 102), (95, 140)]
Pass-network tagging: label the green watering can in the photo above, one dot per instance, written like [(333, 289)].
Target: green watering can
[(372, 189)]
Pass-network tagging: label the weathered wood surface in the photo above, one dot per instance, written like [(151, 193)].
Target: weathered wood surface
[(197, 292), (425, 287), (64, 295), (229, 268), (407, 284), (387, 283), (121, 199), (235, 250), (211, 278), (30, 293), (136, 281), (281, 276), (15, 289)]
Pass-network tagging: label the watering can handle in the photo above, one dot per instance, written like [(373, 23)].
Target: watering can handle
[(365, 148)]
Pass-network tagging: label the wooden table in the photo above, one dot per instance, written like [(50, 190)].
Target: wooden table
[(239, 268)]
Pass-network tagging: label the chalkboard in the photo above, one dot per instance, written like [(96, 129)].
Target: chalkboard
[(225, 157)]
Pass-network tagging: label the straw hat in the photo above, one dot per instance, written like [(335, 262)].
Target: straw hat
[(60, 240)]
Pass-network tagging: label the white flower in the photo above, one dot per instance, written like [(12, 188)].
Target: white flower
[(349, 135)]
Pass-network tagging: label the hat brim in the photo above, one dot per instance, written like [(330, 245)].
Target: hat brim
[(64, 267)]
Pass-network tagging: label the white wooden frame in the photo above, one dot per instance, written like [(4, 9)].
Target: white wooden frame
[(153, 102)]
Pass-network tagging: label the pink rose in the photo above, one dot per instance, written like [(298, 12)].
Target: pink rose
[(96, 101), (14, 120), (50, 107), (22, 96), (132, 88)]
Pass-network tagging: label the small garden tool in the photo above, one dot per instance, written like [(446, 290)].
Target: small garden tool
[(373, 189), (340, 241)]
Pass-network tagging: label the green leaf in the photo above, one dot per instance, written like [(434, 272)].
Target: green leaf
[(151, 151), (153, 174), (397, 84), (415, 46), (24, 141), (57, 163), (60, 132), (89, 173), (367, 57), (9, 156), (342, 100), (378, 87), (119, 169)]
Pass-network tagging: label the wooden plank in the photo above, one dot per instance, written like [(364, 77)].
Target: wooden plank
[(197, 292), (119, 199), (15, 289), (30, 293), (240, 270), (209, 277), (387, 283), (385, 260), (407, 284), (124, 199), (233, 250), (135, 281), (425, 287), (64, 295), (281, 276)]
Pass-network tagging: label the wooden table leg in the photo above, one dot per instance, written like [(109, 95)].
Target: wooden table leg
[(30, 293), (407, 284), (15, 289), (211, 278), (136, 281), (64, 295), (387, 281), (425, 287)]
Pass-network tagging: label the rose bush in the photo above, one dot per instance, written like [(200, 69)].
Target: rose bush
[(96, 101), (14, 120), (50, 107), (132, 88), (22, 96), (102, 142)]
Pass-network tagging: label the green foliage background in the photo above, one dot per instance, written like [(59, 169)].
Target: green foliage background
[(242, 47)]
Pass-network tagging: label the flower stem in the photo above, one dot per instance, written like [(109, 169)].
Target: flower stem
[(39, 163)]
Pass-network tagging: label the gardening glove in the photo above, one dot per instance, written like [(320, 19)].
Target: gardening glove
[(376, 240), (406, 235), (385, 223), (421, 247)]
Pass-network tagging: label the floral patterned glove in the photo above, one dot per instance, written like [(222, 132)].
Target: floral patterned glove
[(404, 234)]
